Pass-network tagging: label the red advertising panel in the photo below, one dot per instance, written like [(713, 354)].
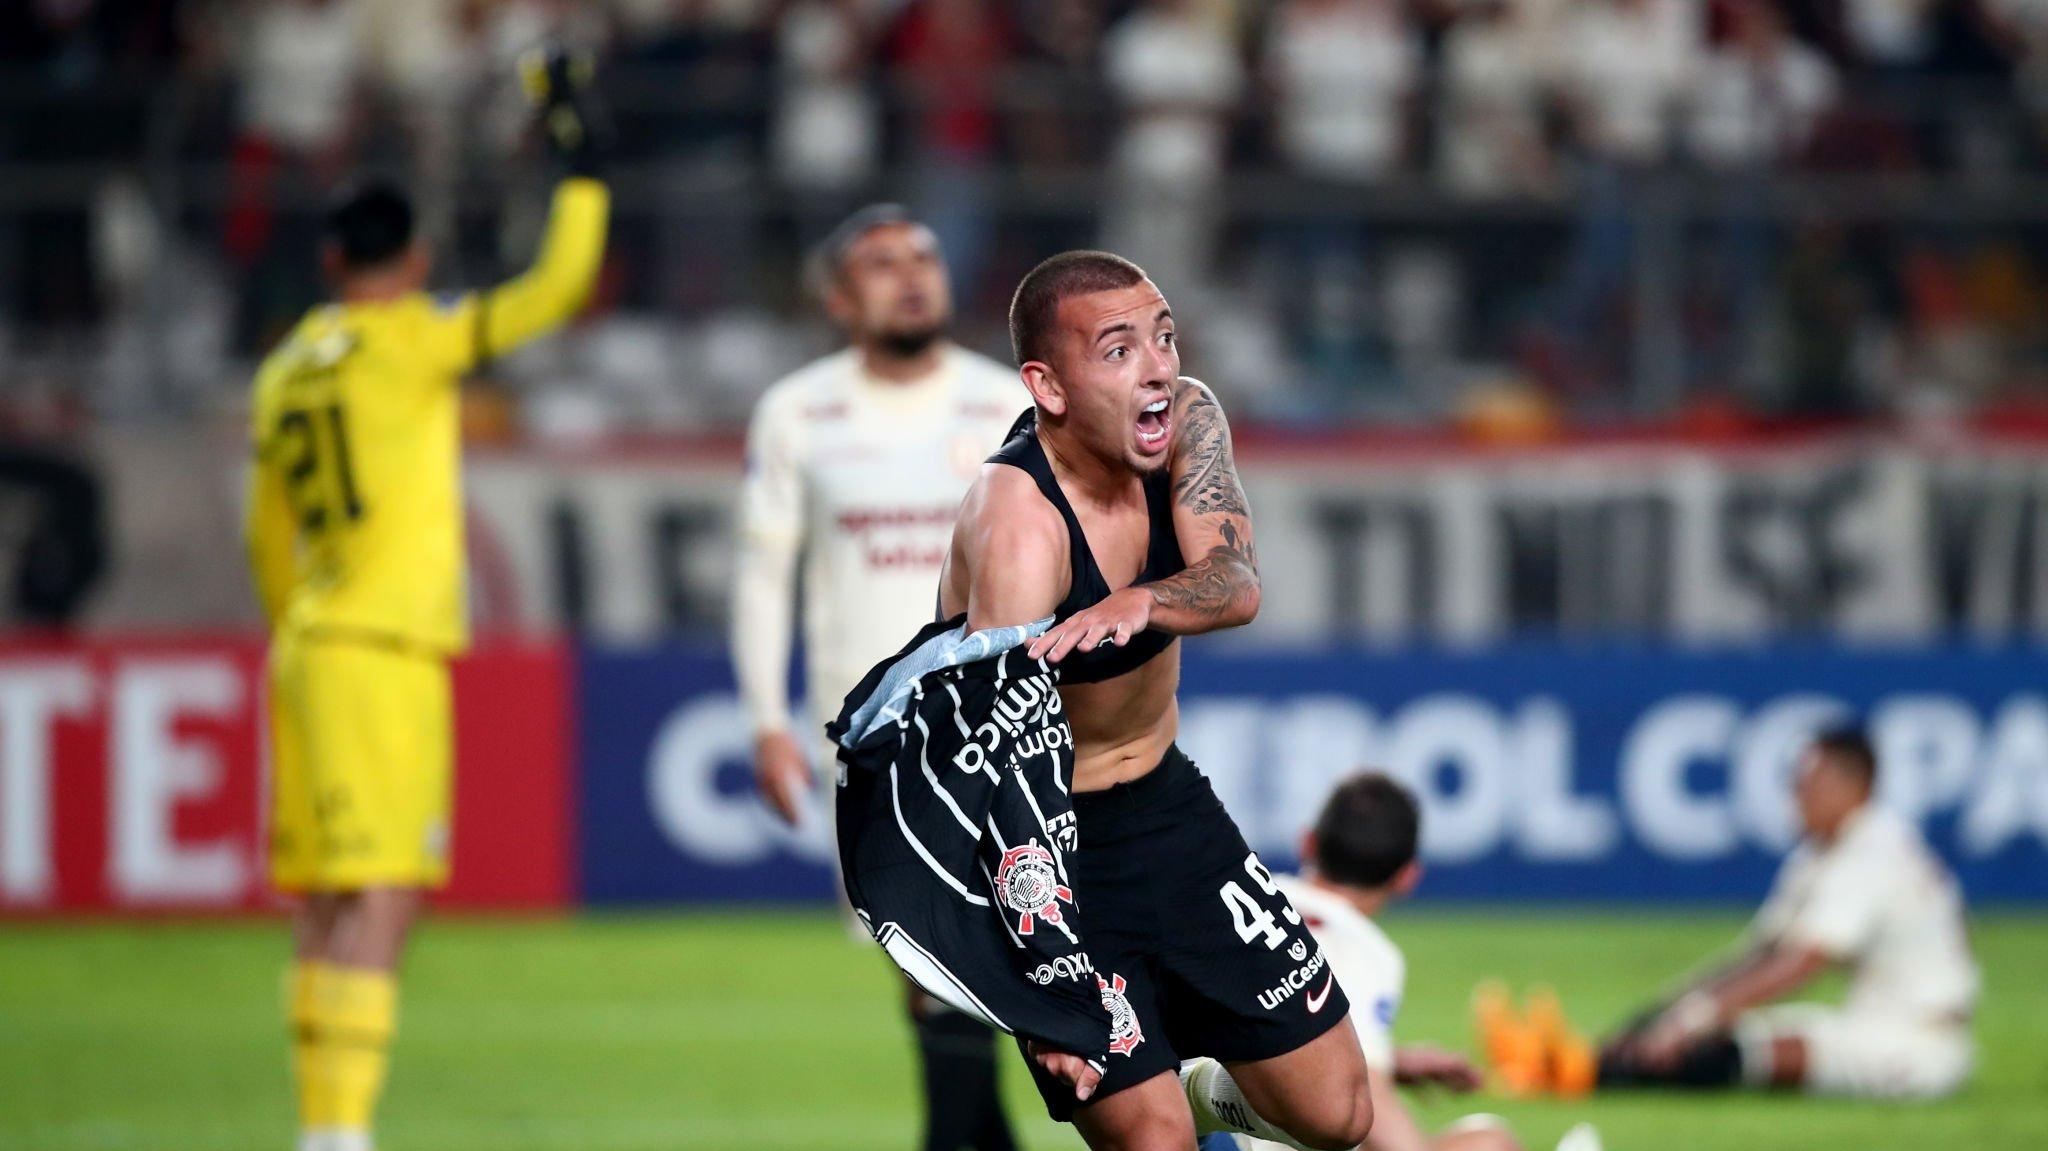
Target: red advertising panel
[(132, 777), (515, 810)]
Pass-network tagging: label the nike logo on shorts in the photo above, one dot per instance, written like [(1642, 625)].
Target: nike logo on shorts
[(1316, 999)]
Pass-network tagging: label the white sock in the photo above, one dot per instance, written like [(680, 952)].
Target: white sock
[(1219, 1106), (1580, 1138), (1755, 1046), (348, 1139)]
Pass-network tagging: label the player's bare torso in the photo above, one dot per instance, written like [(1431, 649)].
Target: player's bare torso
[(1122, 726)]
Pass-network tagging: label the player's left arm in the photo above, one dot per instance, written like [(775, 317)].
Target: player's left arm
[(1773, 974), (1418, 1065), (1765, 976), (1833, 923), (497, 320), (1220, 586)]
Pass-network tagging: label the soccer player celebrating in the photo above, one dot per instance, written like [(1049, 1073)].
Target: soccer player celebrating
[(1862, 891), (1117, 511), (1360, 857), (857, 462), (355, 540)]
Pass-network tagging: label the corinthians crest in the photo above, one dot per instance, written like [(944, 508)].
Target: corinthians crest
[(1124, 1034), (1029, 886)]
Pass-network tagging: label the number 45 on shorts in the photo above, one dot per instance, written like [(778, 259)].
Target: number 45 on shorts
[(1250, 918)]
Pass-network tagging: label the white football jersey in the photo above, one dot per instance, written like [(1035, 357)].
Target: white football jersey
[(1368, 966), (1879, 900), (865, 477)]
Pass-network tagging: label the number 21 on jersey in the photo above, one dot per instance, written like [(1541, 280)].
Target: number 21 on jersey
[(313, 440), (318, 472)]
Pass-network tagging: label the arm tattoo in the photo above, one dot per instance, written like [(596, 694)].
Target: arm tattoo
[(1220, 585), (1223, 587), (1209, 484)]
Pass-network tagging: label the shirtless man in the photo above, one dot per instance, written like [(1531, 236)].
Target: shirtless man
[(1115, 509)]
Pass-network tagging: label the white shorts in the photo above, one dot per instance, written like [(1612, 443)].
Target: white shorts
[(1860, 1055)]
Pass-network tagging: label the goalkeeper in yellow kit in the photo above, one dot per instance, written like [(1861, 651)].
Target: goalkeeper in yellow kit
[(355, 540)]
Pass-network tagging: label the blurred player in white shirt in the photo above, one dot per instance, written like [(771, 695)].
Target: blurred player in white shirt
[(857, 464), (1864, 892), (1359, 857)]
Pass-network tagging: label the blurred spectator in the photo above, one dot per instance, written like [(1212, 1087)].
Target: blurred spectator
[(951, 56), (87, 57), (1627, 66), (1637, 180), (1174, 67), (473, 127), (689, 110), (1888, 36), (1757, 99), (1491, 125), (52, 532), (409, 47), (1838, 348), (1759, 94), (1342, 71), (827, 133), (299, 65), (1059, 116)]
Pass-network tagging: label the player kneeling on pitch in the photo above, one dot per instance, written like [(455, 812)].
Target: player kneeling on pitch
[(1359, 858), (1862, 891)]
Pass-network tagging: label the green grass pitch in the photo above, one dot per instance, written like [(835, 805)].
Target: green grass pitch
[(751, 1031)]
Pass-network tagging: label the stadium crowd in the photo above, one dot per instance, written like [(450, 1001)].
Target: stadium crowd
[(1392, 209)]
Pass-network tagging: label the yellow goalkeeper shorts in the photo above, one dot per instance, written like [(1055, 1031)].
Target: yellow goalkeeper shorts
[(362, 746)]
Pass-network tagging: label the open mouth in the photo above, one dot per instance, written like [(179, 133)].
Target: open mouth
[(1155, 427)]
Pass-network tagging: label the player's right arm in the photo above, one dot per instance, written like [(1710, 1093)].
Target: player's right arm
[(771, 532), (268, 532), (1014, 546)]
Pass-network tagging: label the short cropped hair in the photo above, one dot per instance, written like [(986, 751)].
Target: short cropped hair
[(1368, 831), (370, 224), (1034, 310), (827, 261), (1850, 749)]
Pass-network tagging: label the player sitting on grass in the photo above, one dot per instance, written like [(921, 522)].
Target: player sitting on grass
[(1862, 891), (1360, 857)]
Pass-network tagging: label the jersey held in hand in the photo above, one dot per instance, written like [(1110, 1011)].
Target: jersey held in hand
[(955, 824)]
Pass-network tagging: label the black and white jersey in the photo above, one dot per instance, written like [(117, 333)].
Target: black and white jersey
[(955, 826)]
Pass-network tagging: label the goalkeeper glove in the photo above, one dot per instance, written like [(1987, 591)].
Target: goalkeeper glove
[(570, 116)]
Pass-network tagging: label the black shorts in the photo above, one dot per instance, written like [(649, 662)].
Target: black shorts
[(1195, 951)]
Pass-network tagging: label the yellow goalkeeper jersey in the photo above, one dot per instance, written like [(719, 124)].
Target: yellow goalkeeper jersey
[(354, 519)]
